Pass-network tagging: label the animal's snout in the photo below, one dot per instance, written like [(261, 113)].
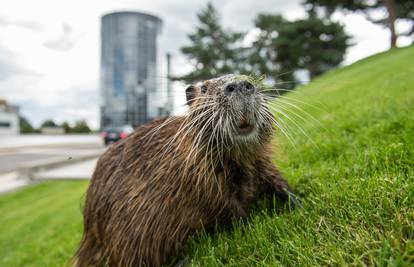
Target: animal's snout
[(239, 87)]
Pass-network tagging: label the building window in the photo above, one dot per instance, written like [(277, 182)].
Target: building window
[(5, 124)]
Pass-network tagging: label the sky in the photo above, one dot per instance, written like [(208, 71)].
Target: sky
[(49, 49)]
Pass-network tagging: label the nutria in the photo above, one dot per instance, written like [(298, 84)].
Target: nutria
[(177, 175)]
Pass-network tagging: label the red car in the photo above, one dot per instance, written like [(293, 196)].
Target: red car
[(114, 134)]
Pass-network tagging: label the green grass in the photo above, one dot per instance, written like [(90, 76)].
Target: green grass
[(41, 225), (354, 170)]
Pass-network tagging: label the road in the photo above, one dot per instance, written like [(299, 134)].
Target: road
[(46, 157), (16, 151), (8, 142), (11, 161)]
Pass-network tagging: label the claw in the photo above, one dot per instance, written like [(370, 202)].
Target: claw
[(293, 200)]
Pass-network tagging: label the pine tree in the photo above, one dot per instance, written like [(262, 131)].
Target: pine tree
[(213, 50)]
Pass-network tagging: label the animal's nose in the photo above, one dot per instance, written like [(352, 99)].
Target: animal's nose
[(239, 86)]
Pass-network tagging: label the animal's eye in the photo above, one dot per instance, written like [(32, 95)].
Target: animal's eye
[(203, 89)]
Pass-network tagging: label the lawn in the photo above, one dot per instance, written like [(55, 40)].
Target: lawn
[(351, 161), (41, 225)]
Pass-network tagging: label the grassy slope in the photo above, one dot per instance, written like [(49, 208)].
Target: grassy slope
[(356, 178)]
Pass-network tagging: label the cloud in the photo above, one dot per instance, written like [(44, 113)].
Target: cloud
[(27, 24), (9, 68), (64, 42), (74, 104)]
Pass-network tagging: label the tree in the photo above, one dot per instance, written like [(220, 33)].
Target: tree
[(48, 123), (396, 9), (81, 127), (284, 46), (65, 125), (25, 126), (213, 50)]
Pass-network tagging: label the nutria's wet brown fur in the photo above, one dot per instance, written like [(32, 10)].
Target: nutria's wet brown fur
[(175, 176)]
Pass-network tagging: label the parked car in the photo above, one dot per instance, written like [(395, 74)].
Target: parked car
[(114, 134)]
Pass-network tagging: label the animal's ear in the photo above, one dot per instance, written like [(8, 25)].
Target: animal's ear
[(191, 94)]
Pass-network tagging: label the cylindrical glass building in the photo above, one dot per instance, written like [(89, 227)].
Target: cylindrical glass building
[(129, 68)]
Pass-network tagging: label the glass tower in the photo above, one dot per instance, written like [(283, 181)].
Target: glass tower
[(129, 69)]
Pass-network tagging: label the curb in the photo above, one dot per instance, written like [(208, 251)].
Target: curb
[(58, 145), (28, 170)]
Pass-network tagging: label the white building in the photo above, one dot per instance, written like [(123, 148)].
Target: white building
[(9, 119)]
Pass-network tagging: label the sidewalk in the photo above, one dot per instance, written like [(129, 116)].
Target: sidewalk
[(9, 181), (81, 170)]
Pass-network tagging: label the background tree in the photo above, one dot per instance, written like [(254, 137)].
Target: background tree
[(25, 126), (48, 123), (66, 127), (396, 9), (80, 127), (213, 50), (284, 46)]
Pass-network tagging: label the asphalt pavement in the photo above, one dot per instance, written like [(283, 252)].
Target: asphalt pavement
[(10, 142), (11, 161), (24, 159)]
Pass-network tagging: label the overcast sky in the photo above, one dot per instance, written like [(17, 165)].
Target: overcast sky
[(49, 49)]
